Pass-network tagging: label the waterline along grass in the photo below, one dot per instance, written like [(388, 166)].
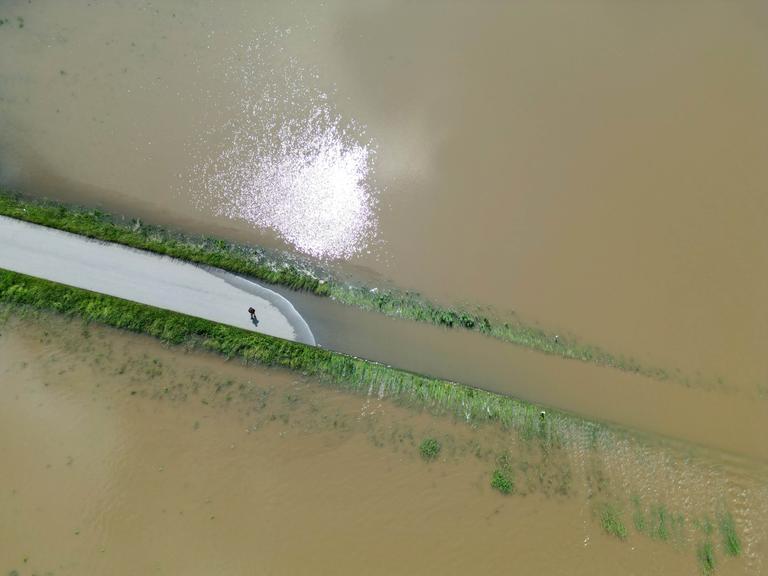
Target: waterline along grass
[(706, 555), (333, 368), (731, 540), (286, 270)]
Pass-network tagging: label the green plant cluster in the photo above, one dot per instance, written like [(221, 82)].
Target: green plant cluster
[(285, 270), (429, 448), (610, 519), (705, 552), (503, 477), (731, 540), (658, 523), (502, 482)]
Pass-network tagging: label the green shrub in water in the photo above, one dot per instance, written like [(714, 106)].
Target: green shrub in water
[(610, 520), (502, 481), (429, 448), (731, 540), (706, 555)]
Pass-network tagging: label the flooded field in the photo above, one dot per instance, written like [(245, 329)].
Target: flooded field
[(123, 456)]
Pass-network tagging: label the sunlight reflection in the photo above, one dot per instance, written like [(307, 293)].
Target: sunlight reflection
[(288, 162)]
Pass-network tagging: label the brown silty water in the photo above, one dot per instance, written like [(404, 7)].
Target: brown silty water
[(582, 166), (122, 456)]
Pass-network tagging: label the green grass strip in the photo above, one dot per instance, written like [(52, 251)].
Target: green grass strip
[(334, 368), (612, 523), (252, 262), (730, 538), (705, 552), (502, 481), (429, 448), (282, 269)]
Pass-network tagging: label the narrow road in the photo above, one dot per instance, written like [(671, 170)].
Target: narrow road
[(147, 278)]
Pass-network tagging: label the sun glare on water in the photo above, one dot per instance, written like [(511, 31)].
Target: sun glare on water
[(287, 161)]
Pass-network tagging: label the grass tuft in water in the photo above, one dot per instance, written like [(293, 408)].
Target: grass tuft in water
[(639, 518), (429, 448), (502, 481), (730, 538), (610, 520), (657, 522), (283, 269), (706, 554)]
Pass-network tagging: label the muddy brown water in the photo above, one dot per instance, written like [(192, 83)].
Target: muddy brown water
[(580, 166), (122, 456)]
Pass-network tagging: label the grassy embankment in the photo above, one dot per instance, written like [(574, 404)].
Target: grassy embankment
[(285, 270)]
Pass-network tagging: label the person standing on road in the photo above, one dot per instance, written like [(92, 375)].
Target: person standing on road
[(252, 312)]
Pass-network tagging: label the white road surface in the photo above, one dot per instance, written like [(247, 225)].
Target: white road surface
[(147, 278)]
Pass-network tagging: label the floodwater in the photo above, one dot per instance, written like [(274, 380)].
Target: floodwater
[(122, 456), (595, 168)]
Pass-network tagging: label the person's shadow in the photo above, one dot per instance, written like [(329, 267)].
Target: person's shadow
[(255, 320)]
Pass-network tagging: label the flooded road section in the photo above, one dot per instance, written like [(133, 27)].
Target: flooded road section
[(122, 456), (705, 411)]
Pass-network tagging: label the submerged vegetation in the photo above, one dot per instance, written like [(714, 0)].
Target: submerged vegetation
[(429, 448), (285, 270), (657, 521), (610, 520), (501, 481), (503, 477), (731, 540)]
